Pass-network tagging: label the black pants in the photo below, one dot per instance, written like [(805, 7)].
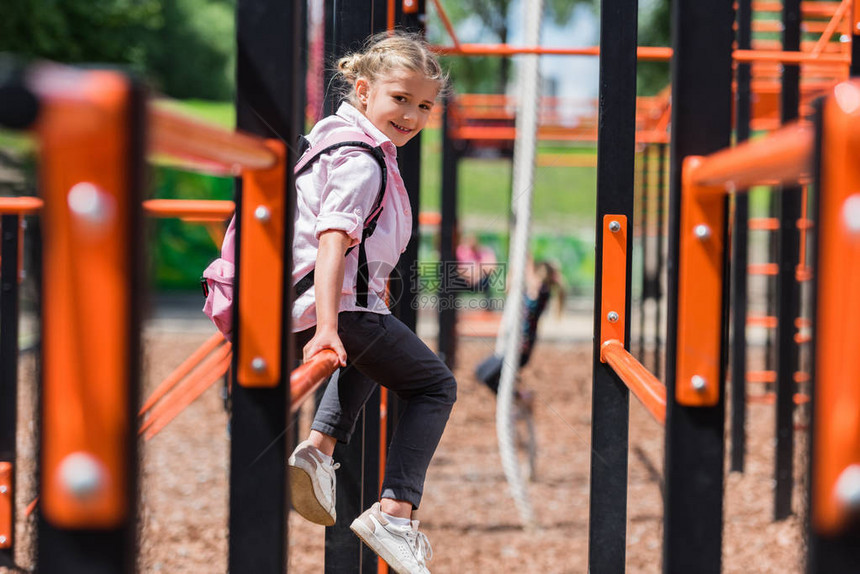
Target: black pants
[(382, 350)]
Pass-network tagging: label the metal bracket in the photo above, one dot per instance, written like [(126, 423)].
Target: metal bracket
[(613, 310), (261, 277)]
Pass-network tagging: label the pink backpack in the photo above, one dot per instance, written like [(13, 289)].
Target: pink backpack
[(218, 277)]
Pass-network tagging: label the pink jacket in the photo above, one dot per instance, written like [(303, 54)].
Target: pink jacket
[(337, 192)]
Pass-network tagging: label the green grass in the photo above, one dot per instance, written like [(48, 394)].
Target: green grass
[(564, 197)]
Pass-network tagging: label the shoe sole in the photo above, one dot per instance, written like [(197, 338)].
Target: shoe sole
[(366, 535), (304, 500)]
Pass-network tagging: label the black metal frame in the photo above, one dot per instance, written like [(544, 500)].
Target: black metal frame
[(616, 153), (702, 80), (447, 339), (787, 289), (268, 58), (740, 247), (9, 305)]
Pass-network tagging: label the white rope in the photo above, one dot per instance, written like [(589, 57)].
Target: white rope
[(510, 336)]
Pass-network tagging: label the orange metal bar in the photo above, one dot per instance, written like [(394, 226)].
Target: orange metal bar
[(855, 21), (763, 223), (755, 56), (261, 273), (390, 15), (177, 135), (183, 369), (192, 388), (440, 10), (770, 269), (836, 435), (20, 205), (766, 321), (700, 286), (644, 53), (305, 379), (808, 9), (761, 376), (7, 505), (197, 209), (613, 304), (85, 146), (831, 27), (650, 391), (784, 156)]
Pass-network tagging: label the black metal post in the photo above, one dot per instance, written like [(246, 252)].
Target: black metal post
[(740, 256), (644, 199), (616, 154), (787, 288), (701, 124), (268, 80), (9, 225), (447, 256), (658, 271), (348, 25)]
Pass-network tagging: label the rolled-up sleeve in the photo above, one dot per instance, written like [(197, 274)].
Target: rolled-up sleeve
[(352, 183)]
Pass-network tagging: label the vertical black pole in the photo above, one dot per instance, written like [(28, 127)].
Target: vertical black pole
[(740, 256), (348, 25), (787, 288), (644, 199), (616, 154), (267, 83), (701, 124), (9, 225), (854, 69), (658, 270), (447, 256), (409, 162)]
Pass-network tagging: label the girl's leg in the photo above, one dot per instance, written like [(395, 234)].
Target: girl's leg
[(386, 351)]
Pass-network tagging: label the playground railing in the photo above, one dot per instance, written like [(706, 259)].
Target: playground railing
[(789, 157)]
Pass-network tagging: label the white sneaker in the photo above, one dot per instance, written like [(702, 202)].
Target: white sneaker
[(312, 484), (403, 547)]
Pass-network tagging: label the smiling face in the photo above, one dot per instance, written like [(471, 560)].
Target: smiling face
[(398, 104)]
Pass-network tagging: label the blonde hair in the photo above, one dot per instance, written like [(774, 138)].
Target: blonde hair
[(384, 54)]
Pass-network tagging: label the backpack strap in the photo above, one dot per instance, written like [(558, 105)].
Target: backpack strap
[(328, 145)]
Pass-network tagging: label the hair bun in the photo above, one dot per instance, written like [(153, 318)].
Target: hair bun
[(348, 65)]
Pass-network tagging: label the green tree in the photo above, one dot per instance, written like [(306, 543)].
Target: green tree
[(185, 47)]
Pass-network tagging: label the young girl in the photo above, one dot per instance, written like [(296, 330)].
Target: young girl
[(391, 89)]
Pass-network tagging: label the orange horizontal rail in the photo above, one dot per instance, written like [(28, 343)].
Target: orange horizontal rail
[(199, 209), (177, 135), (769, 269), (183, 369), (767, 321), (784, 156), (808, 9), (645, 53), (647, 388), (305, 379), (20, 205), (763, 223), (780, 57)]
